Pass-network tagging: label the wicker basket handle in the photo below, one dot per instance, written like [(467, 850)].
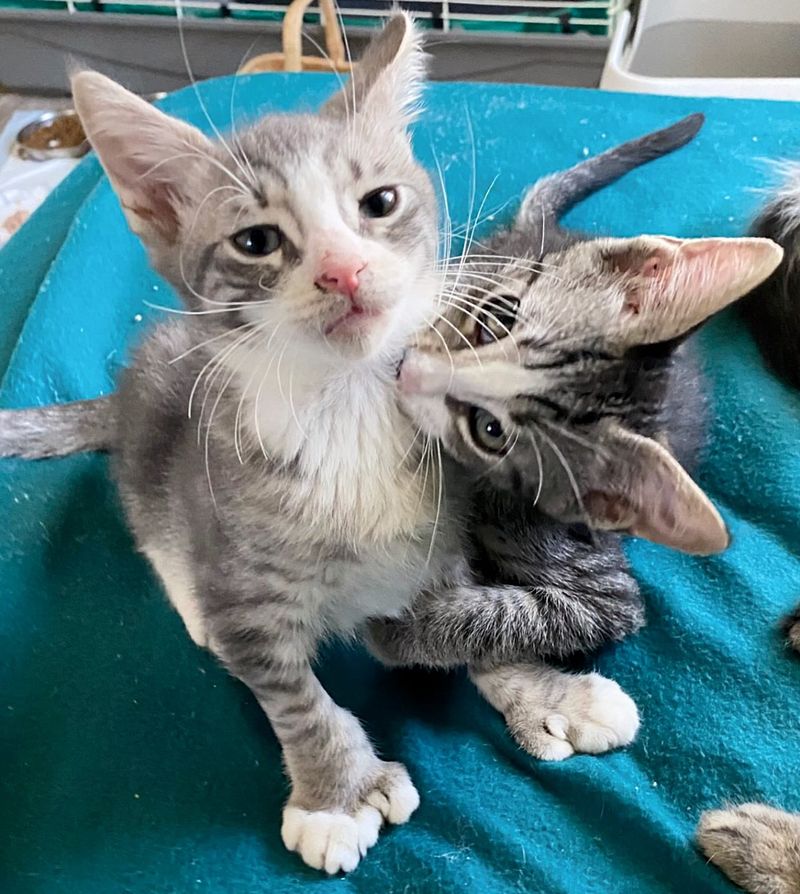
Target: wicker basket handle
[(293, 40), (292, 58)]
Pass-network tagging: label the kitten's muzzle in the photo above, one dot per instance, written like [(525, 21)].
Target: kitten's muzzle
[(422, 373)]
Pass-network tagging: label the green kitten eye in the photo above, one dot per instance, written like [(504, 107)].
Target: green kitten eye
[(379, 203), (496, 318), (258, 242), (486, 431)]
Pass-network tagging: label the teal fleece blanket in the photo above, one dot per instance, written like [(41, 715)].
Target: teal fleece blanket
[(129, 762)]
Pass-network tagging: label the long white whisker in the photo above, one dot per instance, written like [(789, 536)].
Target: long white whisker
[(565, 465), (238, 305), (433, 328), (207, 341), (539, 464), (597, 449), (463, 337), (200, 375), (489, 469), (452, 302), (257, 401), (192, 79), (439, 496), (219, 366), (222, 390)]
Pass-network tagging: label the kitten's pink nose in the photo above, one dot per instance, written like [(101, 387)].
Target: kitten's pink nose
[(340, 274)]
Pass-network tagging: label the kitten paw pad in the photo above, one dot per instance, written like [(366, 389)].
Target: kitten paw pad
[(590, 716), (335, 841)]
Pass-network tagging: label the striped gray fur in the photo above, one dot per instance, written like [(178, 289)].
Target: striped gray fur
[(574, 394), (577, 593), (58, 430), (263, 464)]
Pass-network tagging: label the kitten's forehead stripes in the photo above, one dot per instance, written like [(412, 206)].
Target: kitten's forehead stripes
[(268, 169), (560, 413), (568, 358)]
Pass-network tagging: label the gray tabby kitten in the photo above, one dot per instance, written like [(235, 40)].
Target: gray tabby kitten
[(570, 400), (580, 592), (287, 507)]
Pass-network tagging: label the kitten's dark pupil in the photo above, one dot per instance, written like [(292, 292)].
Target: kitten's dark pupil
[(497, 318), (379, 203), (258, 241), (493, 429), (486, 431)]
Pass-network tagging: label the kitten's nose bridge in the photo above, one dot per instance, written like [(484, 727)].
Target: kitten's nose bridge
[(339, 272)]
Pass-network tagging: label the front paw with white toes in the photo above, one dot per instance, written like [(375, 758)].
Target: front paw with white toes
[(336, 839), (554, 715)]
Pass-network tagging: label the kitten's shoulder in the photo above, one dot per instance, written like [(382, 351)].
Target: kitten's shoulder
[(163, 358), (158, 381)]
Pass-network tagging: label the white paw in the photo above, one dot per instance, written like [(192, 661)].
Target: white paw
[(589, 715), (336, 841)]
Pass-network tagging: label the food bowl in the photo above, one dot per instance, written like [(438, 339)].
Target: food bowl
[(53, 135)]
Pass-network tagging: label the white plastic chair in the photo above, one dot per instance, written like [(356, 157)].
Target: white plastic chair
[(736, 48)]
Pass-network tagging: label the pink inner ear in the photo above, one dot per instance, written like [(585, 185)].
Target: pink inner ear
[(678, 284), (652, 266)]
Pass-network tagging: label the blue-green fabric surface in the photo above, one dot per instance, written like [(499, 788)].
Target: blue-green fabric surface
[(130, 763)]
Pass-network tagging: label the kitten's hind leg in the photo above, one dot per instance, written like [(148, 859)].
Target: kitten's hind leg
[(553, 714), (756, 846), (179, 584)]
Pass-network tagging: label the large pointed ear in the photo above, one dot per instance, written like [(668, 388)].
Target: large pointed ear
[(672, 285), (387, 81), (148, 156), (642, 489)]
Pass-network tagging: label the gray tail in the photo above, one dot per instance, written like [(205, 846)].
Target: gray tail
[(554, 195), (59, 429)]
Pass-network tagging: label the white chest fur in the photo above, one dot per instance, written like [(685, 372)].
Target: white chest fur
[(357, 484), (357, 491)]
